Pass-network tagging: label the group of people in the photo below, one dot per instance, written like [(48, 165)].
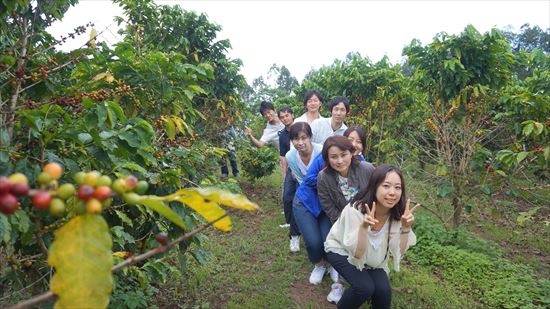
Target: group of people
[(351, 215)]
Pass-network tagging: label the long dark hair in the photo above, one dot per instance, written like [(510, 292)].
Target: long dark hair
[(341, 142), (368, 194)]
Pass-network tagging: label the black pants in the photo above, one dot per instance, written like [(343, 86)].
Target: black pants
[(232, 160), (365, 284), (289, 189)]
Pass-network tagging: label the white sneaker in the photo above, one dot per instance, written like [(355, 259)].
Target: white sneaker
[(336, 291), (333, 274), (294, 243), (285, 225), (317, 275)]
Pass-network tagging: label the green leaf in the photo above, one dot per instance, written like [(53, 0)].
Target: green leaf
[(101, 115), (547, 153), (170, 128), (486, 189), (20, 221), (133, 166), (118, 110), (528, 129), (539, 127), (5, 229), (521, 156), (156, 204), (441, 170), (124, 218), (445, 188), (81, 256), (84, 138)]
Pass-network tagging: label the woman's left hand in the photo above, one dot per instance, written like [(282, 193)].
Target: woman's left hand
[(407, 218)]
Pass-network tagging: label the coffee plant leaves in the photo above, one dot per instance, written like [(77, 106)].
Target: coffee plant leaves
[(206, 201), (5, 229), (219, 196), (81, 256), (155, 203), (207, 209)]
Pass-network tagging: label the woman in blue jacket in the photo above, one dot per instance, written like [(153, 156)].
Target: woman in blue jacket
[(312, 221)]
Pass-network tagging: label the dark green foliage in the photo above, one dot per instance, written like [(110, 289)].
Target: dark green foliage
[(258, 162), (477, 268)]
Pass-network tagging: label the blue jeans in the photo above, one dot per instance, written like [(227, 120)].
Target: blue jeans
[(314, 230), (365, 284), (289, 189)]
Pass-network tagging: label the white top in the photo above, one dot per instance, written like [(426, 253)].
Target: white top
[(322, 130), (270, 135), (342, 239), (303, 118), (297, 165)]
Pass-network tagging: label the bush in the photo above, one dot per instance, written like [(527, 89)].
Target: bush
[(258, 162), (470, 266)]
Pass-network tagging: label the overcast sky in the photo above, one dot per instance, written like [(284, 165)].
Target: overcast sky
[(305, 35)]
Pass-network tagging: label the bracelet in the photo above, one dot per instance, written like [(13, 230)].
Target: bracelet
[(405, 232)]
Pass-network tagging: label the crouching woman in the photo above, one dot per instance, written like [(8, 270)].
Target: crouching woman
[(374, 226)]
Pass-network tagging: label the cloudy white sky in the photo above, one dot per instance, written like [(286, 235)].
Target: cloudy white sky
[(305, 35)]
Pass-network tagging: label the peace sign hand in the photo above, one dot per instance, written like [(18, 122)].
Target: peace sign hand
[(369, 219), (407, 218)]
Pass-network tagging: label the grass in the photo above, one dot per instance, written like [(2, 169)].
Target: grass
[(252, 268)]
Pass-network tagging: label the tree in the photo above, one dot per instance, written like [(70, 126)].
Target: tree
[(462, 76)]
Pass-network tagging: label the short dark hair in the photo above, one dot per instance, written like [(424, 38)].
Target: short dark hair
[(368, 194), (311, 93), (337, 100), (264, 106), (360, 131), (285, 109), (298, 127), (341, 142)]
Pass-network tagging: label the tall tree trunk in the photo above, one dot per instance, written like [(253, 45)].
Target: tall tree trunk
[(457, 205)]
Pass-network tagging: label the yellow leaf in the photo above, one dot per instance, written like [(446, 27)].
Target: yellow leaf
[(208, 210), (122, 254), (104, 75), (81, 256), (219, 196)]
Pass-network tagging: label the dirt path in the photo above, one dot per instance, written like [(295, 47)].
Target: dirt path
[(302, 293), (251, 267)]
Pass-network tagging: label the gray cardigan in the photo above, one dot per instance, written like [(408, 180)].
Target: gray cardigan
[(331, 196)]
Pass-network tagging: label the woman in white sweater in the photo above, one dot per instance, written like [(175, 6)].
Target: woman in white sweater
[(376, 224)]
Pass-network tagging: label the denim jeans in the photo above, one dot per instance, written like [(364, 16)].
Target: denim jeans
[(314, 230), (365, 284), (289, 189)]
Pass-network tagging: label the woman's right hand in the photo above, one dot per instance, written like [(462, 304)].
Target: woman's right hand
[(368, 217)]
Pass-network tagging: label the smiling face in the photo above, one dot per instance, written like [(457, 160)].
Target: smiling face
[(356, 142), (339, 112), (389, 191), (313, 104), (339, 160), (286, 118), (302, 143), (269, 115)]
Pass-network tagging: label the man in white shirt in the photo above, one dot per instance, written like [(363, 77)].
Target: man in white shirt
[(273, 126), (312, 103), (324, 128)]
